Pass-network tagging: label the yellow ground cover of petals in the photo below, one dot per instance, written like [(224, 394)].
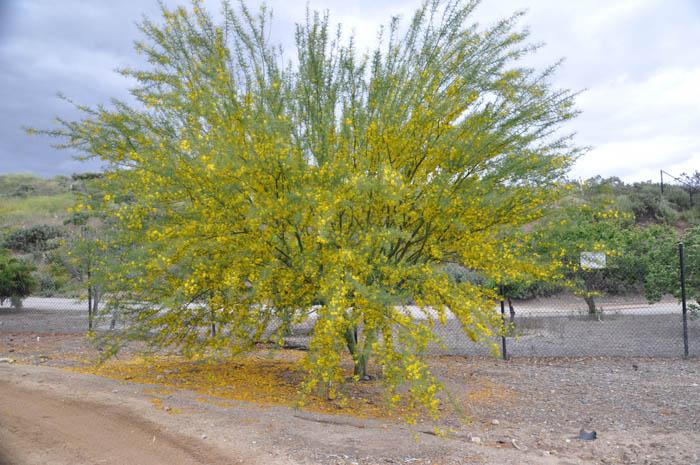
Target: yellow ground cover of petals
[(267, 381)]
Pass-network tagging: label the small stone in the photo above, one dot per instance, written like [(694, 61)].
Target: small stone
[(11, 350), (495, 422), (568, 440), (587, 435), (167, 409), (7, 360), (546, 452), (204, 436), (38, 338), (517, 446), (475, 439)]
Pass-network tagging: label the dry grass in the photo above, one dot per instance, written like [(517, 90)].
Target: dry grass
[(39, 209)]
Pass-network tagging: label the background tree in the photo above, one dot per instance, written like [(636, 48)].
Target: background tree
[(16, 280), (84, 251), (663, 277), (692, 185), (257, 189), (587, 222), (82, 255), (593, 218)]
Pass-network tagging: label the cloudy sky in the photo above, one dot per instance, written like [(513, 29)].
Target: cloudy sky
[(636, 61)]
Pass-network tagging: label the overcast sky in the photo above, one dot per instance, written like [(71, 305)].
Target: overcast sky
[(638, 62)]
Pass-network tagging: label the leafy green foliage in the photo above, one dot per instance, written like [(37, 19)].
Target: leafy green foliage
[(587, 221), (37, 238), (16, 280), (663, 277)]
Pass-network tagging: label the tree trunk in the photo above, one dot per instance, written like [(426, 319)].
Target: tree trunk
[(590, 301), (360, 352), (115, 314), (96, 298), (360, 369), (89, 308), (511, 309), (351, 343)]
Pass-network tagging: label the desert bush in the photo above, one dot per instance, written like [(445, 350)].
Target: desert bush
[(16, 279), (37, 238)]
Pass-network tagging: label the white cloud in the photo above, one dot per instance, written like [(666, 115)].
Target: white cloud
[(641, 158), (635, 126)]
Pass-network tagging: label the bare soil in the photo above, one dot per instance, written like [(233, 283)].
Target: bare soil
[(645, 411), (38, 427)]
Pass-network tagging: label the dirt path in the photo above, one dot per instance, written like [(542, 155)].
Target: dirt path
[(36, 428), (645, 411)]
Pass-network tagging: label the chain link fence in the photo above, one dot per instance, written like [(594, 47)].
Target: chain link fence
[(557, 326), (562, 325)]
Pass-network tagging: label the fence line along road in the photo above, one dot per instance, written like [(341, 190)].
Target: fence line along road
[(552, 326)]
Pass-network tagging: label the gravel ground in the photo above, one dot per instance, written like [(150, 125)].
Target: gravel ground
[(523, 411)]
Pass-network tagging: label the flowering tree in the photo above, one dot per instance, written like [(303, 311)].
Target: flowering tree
[(333, 189)]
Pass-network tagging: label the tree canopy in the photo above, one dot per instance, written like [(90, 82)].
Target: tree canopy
[(257, 190)]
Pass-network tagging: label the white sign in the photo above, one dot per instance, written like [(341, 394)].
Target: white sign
[(592, 260)]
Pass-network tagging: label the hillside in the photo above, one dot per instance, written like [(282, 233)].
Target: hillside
[(33, 213), (678, 205), (27, 200)]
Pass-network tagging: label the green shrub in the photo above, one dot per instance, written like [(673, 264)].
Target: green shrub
[(526, 291), (16, 279), (460, 274), (37, 238)]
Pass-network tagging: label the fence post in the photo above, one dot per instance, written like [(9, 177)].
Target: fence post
[(504, 352), (681, 256)]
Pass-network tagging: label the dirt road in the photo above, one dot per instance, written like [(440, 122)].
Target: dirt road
[(645, 411), (37, 428)]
